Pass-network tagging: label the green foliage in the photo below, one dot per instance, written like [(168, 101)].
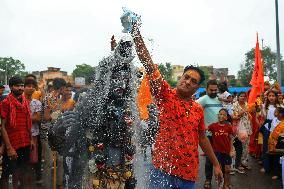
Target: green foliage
[(269, 65), (232, 82), (239, 85), (207, 75), (11, 67), (84, 70), (172, 83), (166, 71)]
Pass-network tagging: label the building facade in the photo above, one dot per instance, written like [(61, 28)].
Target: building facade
[(48, 75), (177, 72)]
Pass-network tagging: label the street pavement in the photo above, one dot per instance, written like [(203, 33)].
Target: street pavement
[(252, 179)]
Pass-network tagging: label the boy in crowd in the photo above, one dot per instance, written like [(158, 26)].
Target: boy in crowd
[(38, 93), (222, 144), (67, 102), (35, 106)]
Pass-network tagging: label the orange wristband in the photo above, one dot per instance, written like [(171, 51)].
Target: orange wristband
[(155, 75)]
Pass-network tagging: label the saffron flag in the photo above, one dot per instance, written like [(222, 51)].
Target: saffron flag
[(257, 80), (144, 98)]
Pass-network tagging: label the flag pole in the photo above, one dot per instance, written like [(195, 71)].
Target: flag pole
[(278, 45), (54, 169)]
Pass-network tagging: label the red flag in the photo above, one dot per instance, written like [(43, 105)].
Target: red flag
[(257, 80)]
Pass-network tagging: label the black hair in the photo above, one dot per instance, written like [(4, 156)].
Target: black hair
[(266, 105), (248, 93), (58, 83), (199, 71), (30, 75), (15, 80), (229, 118), (240, 93), (31, 82), (211, 82), (281, 111), (68, 84), (223, 86), (202, 94), (49, 86)]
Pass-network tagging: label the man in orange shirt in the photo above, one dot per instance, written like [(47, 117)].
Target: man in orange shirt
[(67, 102), (175, 153)]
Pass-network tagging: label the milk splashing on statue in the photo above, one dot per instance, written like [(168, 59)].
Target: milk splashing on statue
[(101, 138)]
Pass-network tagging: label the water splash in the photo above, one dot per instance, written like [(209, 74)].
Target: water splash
[(103, 140), (102, 134)]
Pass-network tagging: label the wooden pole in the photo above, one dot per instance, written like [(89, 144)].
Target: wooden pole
[(54, 169)]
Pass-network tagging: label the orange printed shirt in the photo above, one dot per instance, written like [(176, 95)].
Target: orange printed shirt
[(67, 105), (37, 95), (176, 147), (273, 138)]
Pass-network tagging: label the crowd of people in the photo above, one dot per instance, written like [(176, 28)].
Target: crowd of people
[(224, 125), (235, 129), (26, 114), (238, 130)]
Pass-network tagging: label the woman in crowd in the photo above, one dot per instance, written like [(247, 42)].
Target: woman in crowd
[(243, 124), (280, 99), (256, 121), (268, 111)]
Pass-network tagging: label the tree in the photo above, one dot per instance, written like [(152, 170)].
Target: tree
[(232, 82), (10, 67), (172, 83), (207, 75), (167, 73), (269, 65), (84, 70)]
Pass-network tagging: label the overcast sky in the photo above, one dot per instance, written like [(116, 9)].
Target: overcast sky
[(65, 33)]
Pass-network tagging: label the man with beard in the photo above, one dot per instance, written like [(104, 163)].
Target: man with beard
[(16, 134), (211, 106)]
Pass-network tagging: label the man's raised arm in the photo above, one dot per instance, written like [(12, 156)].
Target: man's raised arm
[(146, 59)]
